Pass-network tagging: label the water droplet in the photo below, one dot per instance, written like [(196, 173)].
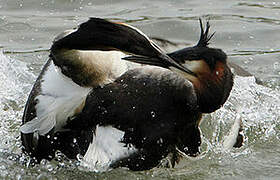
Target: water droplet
[(79, 157), (153, 114), (104, 111), (276, 66), (160, 141)]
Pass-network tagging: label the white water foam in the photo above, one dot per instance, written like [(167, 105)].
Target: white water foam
[(255, 107), (14, 80)]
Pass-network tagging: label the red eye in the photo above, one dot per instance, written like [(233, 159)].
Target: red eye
[(219, 69)]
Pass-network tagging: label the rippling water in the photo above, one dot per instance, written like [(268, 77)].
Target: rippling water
[(247, 30)]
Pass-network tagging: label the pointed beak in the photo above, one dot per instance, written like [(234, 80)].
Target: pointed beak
[(162, 61)]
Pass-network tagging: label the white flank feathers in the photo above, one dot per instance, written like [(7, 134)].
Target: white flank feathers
[(231, 138), (106, 147), (59, 99), (60, 96)]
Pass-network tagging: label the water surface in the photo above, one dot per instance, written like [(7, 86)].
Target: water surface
[(248, 31)]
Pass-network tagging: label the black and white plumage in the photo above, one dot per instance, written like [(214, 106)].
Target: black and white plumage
[(140, 116), (80, 59)]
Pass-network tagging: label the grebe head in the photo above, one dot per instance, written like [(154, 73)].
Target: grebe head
[(207, 69), (213, 79)]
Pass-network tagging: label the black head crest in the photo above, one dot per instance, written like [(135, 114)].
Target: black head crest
[(204, 37)]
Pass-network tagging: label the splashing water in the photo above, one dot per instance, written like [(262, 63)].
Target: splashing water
[(14, 83), (258, 107), (14, 79)]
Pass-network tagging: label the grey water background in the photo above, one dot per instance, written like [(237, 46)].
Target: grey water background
[(248, 31)]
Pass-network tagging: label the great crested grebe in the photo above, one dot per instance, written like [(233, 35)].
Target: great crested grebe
[(80, 59), (139, 116)]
